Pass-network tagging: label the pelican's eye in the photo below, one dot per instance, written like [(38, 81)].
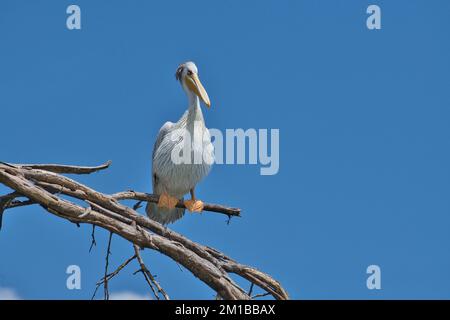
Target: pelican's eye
[(189, 73), (179, 72)]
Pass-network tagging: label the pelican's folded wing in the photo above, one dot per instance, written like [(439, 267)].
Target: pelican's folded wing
[(165, 129)]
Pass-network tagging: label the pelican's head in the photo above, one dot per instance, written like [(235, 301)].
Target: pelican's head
[(187, 74)]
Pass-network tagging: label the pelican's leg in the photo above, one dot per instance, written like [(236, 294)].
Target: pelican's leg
[(194, 205), (167, 201)]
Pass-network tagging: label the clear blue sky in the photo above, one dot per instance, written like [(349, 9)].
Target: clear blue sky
[(364, 126)]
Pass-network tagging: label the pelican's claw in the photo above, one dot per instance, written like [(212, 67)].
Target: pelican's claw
[(194, 205), (167, 201)]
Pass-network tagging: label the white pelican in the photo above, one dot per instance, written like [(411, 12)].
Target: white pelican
[(171, 181)]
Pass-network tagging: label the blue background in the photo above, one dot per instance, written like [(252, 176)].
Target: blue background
[(364, 137)]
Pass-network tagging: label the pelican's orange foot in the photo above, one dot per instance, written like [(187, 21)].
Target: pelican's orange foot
[(194, 205), (167, 201)]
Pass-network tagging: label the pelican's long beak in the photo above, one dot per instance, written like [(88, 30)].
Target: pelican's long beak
[(194, 84)]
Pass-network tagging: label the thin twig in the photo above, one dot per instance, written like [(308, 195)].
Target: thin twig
[(112, 274), (93, 242), (251, 289), (5, 202), (260, 295), (137, 205), (105, 283), (18, 203), (148, 275)]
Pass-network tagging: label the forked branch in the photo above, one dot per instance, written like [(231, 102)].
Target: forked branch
[(44, 185)]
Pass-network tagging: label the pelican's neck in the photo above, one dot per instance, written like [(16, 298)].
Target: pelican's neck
[(194, 110), (193, 100)]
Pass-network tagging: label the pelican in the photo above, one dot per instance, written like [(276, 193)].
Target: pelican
[(172, 180)]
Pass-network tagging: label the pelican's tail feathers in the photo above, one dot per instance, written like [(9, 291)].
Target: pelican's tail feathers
[(163, 215)]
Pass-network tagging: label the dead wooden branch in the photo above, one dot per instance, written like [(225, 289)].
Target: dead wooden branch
[(140, 196), (44, 185), (62, 169)]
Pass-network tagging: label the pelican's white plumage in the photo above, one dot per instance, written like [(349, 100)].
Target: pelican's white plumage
[(172, 179)]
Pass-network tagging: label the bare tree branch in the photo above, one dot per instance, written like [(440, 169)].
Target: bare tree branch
[(57, 168), (133, 195), (44, 185)]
